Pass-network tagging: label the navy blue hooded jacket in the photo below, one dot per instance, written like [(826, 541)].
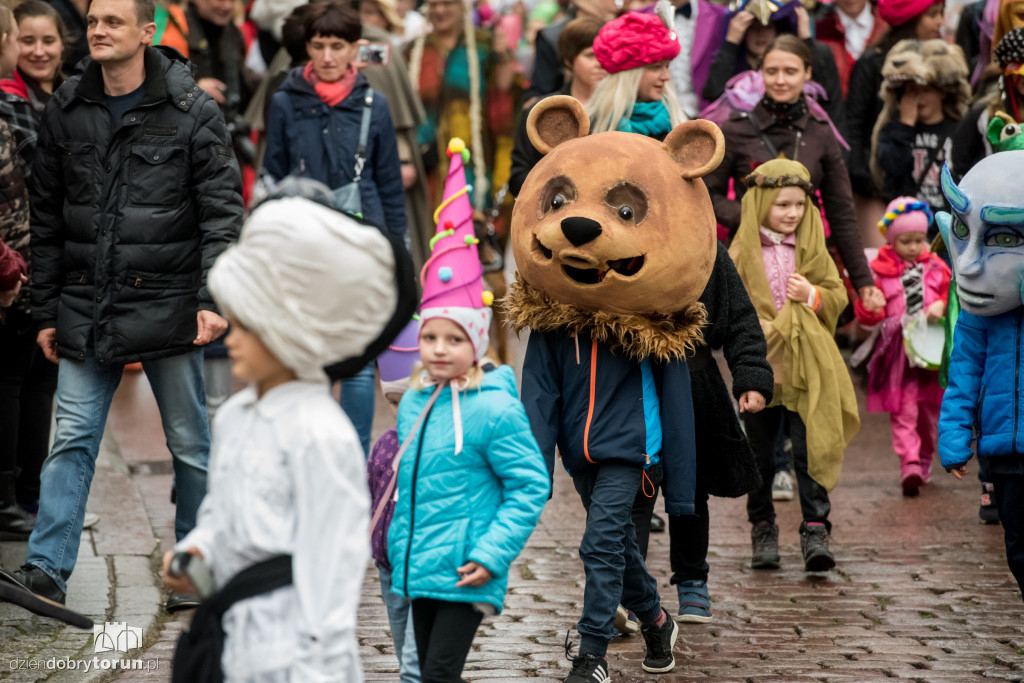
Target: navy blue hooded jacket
[(305, 137), (588, 401)]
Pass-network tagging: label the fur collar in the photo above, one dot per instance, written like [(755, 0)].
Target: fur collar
[(663, 337)]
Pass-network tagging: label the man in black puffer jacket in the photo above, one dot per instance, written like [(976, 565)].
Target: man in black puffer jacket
[(135, 194)]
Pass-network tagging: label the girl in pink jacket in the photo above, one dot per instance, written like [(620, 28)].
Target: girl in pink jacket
[(913, 281)]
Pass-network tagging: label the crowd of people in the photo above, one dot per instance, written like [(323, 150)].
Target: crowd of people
[(836, 142)]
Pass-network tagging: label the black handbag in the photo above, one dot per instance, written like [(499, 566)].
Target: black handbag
[(197, 655), (347, 196)]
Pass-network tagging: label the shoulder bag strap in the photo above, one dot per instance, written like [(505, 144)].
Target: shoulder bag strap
[(364, 134), (257, 579)]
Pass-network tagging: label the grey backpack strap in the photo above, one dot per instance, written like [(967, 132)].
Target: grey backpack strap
[(364, 134)]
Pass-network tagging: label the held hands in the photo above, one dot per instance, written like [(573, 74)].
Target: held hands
[(935, 310), (738, 26), (872, 298), (959, 472), (178, 584), (473, 574), (210, 327), (751, 402), (798, 288), (8, 296)]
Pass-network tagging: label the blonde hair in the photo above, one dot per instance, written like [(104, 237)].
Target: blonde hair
[(475, 375), (6, 23), (614, 97)]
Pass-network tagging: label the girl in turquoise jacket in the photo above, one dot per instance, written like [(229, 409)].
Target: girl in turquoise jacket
[(471, 486)]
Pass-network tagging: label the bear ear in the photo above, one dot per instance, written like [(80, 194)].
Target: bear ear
[(555, 120), (697, 146)]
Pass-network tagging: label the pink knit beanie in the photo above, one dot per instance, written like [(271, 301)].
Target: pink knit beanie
[(899, 12), (904, 214), (634, 40)]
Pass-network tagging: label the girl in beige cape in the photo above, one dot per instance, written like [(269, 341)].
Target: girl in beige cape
[(814, 400)]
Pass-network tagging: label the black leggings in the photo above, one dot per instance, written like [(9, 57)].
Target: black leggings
[(444, 634)]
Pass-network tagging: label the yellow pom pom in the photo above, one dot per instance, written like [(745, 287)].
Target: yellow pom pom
[(488, 298), (456, 145)]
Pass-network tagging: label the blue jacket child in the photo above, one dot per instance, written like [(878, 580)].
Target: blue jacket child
[(984, 401), (480, 505), (308, 138)]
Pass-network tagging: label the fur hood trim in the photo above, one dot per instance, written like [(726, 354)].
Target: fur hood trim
[(663, 337)]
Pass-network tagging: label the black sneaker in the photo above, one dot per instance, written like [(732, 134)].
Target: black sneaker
[(659, 640), (586, 667), (34, 580), (814, 544), (764, 538)]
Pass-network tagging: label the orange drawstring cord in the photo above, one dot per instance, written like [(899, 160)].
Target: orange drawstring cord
[(643, 484)]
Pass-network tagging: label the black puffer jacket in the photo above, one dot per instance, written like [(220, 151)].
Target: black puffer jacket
[(126, 224)]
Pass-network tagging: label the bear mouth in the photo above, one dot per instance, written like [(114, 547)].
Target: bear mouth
[(627, 267)]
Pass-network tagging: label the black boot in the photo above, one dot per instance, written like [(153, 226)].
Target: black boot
[(15, 523)]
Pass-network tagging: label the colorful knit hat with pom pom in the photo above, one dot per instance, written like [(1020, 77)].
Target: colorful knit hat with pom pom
[(904, 214)]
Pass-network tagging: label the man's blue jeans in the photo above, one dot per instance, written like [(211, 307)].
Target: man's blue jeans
[(400, 619), (357, 398), (84, 393)]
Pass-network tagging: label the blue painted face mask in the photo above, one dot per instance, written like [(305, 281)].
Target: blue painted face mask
[(985, 234)]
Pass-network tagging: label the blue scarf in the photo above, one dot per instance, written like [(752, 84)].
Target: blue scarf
[(648, 118)]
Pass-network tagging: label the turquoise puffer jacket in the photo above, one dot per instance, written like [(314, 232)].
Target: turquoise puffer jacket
[(480, 505), (983, 400)]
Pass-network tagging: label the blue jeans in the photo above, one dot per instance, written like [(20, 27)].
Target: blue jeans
[(402, 633), (357, 395), (615, 569), (84, 393)]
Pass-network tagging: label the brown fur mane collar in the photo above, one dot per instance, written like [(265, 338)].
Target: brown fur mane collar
[(664, 337)]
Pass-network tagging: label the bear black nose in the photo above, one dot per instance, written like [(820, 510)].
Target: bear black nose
[(580, 230)]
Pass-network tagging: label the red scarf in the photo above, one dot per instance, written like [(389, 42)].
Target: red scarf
[(331, 93), (14, 85)]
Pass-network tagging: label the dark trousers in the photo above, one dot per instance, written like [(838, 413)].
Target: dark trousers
[(27, 384), (614, 568), (689, 536), (1009, 495), (762, 431), (444, 633), (644, 504)]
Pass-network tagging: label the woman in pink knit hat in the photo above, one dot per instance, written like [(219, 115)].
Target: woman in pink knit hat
[(637, 95), (914, 283)]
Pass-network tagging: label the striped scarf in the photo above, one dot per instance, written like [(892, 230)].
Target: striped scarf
[(913, 289)]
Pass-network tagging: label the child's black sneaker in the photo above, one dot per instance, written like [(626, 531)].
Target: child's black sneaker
[(764, 538), (814, 544), (660, 640), (586, 667)]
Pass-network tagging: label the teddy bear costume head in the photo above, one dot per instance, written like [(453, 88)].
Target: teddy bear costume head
[(614, 224)]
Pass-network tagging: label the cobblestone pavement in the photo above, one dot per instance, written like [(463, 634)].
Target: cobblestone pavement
[(921, 591)]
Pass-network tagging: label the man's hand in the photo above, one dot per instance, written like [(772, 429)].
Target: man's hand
[(179, 584), (908, 109), (798, 288), (872, 298), (215, 87), (959, 472), (738, 26), (751, 402), (211, 327), (47, 340), (935, 310), (8, 296), (473, 574)]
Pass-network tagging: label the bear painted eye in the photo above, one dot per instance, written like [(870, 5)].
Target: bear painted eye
[(626, 212), (557, 202), (959, 229), (1009, 131), (1006, 240)]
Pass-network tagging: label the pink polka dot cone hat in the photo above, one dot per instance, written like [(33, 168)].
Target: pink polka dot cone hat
[(452, 277)]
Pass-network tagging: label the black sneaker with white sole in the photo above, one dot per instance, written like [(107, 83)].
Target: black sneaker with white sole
[(660, 640), (586, 667)]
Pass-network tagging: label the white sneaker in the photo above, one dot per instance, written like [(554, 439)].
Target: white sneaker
[(91, 520), (782, 486)]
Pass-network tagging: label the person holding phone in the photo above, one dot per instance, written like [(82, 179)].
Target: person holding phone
[(313, 130)]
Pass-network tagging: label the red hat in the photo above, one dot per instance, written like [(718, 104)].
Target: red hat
[(899, 12), (634, 40)]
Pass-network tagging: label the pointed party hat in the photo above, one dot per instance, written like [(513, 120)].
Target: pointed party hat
[(452, 277)]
